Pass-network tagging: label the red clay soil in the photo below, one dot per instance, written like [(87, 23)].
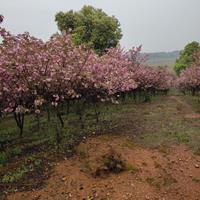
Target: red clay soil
[(150, 175)]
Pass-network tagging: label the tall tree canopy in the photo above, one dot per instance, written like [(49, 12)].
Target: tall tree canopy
[(186, 56), (92, 27)]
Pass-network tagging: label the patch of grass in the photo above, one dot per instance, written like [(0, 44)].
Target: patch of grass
[(106, 137), (163, 181), (181, 138), (193, 101), (3, 158), (16, 175), (30, 164), (128, 143), (167, 126), (132, 169), (33, 162)]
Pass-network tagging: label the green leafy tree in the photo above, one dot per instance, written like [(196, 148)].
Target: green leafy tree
[(92, 27), (186, 57)]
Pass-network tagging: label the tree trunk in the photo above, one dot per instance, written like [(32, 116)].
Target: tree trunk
[(60, 119), (48, 114), (97, 113), (19, 118), (193, 92), (38, 121), (58, 133), (80, 111)]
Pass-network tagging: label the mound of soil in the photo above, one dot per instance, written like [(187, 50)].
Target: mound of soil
[(115, 168)]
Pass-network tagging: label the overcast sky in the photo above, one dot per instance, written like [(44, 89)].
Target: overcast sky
[(159, 25)]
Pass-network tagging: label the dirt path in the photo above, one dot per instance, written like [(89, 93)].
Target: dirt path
[(159, 173), (187, 107), (179, 100)]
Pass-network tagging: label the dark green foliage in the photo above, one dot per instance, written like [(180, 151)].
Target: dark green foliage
[(90, 26), (186, 57), (3, 158), (17, 151)]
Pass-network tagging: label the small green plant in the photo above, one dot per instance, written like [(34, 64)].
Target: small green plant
[(110, 163), (32, 162), (131, 168), (114, 162), (164, 181)]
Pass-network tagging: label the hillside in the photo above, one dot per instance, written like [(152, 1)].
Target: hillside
[(162, 58)]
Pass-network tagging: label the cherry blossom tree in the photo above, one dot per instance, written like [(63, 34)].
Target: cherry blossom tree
[(37, 75), (19, 57), (189, 79)]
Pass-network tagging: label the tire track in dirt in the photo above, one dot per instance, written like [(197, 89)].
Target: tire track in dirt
[(187, 108)]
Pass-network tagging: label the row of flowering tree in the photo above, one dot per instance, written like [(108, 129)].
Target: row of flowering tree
[(37, 75), (189, 79)]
